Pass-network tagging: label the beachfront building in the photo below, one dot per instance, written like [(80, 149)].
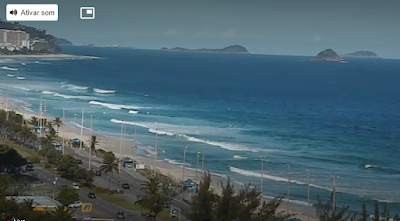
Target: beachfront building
[(39, 203), (15, 38)]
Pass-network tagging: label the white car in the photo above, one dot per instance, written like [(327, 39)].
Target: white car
[(75, 204), (75, 186)]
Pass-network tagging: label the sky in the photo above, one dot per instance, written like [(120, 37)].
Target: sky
[(282, 27)]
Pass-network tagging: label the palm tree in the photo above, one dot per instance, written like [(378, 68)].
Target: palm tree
[(62, 213), (58, 123), (152, 186), (93, 142), (109, 167)]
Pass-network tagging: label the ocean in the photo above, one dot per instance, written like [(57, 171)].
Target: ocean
[(331, 118)]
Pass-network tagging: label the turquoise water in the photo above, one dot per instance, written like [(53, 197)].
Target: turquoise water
[(331, 118)]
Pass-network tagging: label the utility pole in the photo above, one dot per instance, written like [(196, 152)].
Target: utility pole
[(184, 162), (80, 145), (156, 154), (334, 193), (63, 135), (23, 112), (288, 189)]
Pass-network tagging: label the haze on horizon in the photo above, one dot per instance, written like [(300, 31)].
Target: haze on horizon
[(283, 27)]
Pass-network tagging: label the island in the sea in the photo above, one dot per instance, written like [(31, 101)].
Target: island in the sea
[(361, 54), (233, 49), (327, 55)]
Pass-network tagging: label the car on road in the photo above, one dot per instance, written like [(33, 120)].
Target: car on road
[(79, 161), (75, 204), (75, 186), (125, 186), (97, 173), (138, 201), (29, 167), (92, 195), (120, 215)]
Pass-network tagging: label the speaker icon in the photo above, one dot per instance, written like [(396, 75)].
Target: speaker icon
[(13, 12)]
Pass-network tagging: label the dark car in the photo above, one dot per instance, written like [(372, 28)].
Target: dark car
[(125, 186), (92, 195), (120, 215), (29, 167), (138, 201), (79, 161), (97, 173)]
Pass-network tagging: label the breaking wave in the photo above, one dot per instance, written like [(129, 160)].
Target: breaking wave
[(102, 91), (133, 112), (67, 96), (271, 177), (175, 162), (74, 87), (238, 157), (224, 145), (20, 78), (21, 88), (9, 69), (10, 75), (115, 106)]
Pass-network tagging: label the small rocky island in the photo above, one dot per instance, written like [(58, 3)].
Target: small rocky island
[(233, 49), (361, 54), (327, 55)]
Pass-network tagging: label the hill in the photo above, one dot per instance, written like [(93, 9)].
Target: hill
[(62, 41), (327, 55), (233, 49), (361, 54)]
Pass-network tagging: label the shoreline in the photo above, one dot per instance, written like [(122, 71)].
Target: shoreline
[(109, 143), (38, 56)]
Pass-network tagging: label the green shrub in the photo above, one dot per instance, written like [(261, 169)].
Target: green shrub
[(34, 158)]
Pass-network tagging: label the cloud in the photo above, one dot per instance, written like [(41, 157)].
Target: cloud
[(230, 33), (317, 38)]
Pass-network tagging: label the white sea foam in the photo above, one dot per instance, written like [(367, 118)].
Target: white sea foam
[(175, 131), (133, 112), (23, 64), (10, 75), (238, 157), (21, 88), (74, 87), (9, 69), (20, 78), (368, 166), (67, 96), (115, 106), (175, 162), (271, 177), (102, 91), (79, 125)]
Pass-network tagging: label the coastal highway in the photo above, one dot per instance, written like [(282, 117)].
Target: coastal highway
[(132, 178), (100, 206)]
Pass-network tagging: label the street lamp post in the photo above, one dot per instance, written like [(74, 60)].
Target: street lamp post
[(90, 138), (184, 162), (262, 176), (202, 162), (334, 193), (7, 112), (288, 189), (197, 167), (63, 121), (80, 145), (156, 154)]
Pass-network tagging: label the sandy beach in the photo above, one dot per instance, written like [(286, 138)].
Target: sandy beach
[(109, 143)]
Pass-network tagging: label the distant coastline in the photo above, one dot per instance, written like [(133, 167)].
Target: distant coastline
[(37, 56), (233, 49)]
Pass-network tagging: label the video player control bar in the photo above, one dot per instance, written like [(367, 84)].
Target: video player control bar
[(32, 12)]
